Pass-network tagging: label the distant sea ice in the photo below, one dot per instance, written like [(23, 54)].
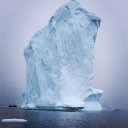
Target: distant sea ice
[(13, 120)]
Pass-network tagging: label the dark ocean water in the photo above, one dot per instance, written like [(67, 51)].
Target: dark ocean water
[(59, 119)]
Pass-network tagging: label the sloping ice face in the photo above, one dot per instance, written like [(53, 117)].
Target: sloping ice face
[(59, 61)]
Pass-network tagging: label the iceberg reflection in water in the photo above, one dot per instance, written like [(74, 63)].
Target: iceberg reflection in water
[(58, 119)]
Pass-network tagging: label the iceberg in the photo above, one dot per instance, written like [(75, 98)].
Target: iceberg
[(59, 61), (13, 120)]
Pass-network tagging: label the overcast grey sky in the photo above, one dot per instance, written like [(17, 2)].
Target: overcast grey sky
[(20, 19)]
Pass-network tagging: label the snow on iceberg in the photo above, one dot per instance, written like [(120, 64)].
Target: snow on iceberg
[(59, 61)]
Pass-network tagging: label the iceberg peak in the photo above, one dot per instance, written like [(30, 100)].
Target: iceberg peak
[(75, 2)]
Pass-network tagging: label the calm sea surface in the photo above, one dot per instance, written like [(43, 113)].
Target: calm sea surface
[(59, 119)]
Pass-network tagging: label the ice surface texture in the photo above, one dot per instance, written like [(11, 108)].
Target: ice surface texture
[(59, 61)]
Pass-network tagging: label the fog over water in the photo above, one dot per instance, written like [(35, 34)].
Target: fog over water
[(20, 19)]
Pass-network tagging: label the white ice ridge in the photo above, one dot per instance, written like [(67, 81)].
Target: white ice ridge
[(13, 120), (59, 61)]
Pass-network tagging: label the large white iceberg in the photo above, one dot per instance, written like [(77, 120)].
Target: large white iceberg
[(59, 61)]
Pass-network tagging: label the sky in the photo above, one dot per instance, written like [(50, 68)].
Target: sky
[(20, 19)]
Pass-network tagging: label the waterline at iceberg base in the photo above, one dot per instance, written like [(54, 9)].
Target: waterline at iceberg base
[(59, 61)]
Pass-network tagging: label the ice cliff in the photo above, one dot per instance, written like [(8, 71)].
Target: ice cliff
[(59, 61)]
